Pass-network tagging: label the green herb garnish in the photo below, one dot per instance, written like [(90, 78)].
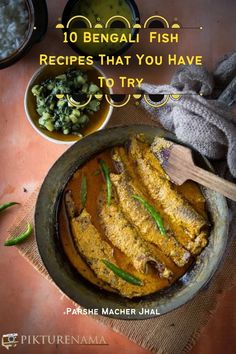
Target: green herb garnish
[(122, 274), (83, 191), (96, 173), (106, 174), (154, 214)]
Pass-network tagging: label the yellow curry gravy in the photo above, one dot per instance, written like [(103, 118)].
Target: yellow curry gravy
[(95, 182), (103, 13)]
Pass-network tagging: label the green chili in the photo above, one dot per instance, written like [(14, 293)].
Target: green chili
[(83, 191), (106, 174), (122, 274), (21, 238), (7, 205), (154, 214), (96, 173)]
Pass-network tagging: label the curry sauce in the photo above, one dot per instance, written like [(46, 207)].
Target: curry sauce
[(95, 184)]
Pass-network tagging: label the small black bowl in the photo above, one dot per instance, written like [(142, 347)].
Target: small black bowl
[(38, 23), (67, 16)]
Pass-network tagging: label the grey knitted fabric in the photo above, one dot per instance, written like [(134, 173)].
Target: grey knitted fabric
[(226, 69), (206, 124)]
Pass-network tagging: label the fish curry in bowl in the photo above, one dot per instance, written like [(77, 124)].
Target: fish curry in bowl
[(125, 227)]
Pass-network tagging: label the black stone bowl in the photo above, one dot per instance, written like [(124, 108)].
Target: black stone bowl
[(71, 282)]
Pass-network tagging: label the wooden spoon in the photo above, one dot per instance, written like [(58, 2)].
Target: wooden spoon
[(178, 163)]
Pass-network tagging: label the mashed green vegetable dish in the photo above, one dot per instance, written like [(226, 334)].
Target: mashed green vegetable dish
[(69, 113)]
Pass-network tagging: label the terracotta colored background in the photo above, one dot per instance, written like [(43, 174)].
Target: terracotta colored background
[(29, 304)]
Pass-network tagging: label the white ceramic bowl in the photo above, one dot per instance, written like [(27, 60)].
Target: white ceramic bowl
[(97, 122)]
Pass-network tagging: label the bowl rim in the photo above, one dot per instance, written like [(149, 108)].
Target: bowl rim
[(46, 242), (37, 27), (38, 130), (65, 16)]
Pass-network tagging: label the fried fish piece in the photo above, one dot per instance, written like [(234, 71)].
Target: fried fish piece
[(161, 190), (128, 166), (138, 215), (123, 235), (93, 248)]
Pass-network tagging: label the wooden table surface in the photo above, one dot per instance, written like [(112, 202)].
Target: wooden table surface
[(29, 303)]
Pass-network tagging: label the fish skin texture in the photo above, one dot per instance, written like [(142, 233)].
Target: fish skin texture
[(124, 236), (93, 248), (161, 189), (138, 215), (127, 163)]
